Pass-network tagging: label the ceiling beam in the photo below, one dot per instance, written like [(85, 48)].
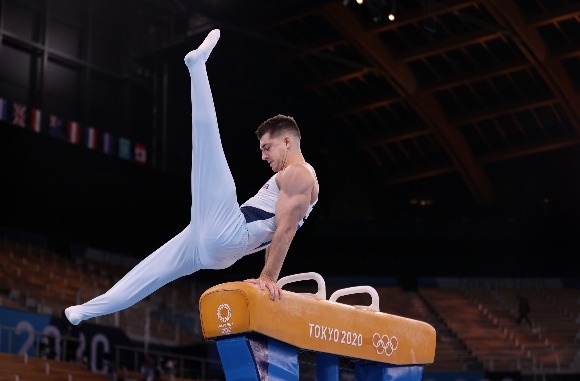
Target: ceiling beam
[(406, 18), (508, 14), (368, 106), (373, 49), (338, 78), (566, 52), (553, 15), (528, 150), (494, 112), (470, 38), (376, 159), (287, 20), (463, 78), (419, 175), (418, 15), (303, 51), (491, 158), (397, 138)]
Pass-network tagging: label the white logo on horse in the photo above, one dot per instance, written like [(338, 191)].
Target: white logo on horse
[(385, 344), (220, 315)]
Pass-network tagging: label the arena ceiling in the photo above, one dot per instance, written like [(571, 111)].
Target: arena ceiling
[(446, 134), (451, 99), (447, 87)]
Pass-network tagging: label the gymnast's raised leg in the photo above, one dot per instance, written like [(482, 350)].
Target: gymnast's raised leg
[(215, 237)]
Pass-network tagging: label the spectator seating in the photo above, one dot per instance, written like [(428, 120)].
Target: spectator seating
[(32, 369), (476, 326), (43, 282), (485, 319)]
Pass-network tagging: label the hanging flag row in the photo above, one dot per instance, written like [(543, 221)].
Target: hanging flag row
[(71, 131)]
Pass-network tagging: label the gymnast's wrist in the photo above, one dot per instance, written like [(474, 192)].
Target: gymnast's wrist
[(267, 277)]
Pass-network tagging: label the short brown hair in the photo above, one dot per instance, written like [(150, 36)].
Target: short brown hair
[(278, 124)]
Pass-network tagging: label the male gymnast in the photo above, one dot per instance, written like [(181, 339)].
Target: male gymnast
[(220, 231)]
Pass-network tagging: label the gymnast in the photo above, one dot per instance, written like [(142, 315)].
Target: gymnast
[(220, 231)]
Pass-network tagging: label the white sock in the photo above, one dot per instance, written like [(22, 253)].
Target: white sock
[(74, 317), (204, 49)]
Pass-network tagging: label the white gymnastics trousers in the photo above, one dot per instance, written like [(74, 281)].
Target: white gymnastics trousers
[(216, 236)]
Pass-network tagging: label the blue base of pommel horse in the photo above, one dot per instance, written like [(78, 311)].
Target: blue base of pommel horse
[(259, 339), (255, 357)]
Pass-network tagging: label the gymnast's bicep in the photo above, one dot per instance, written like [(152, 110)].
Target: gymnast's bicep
[(294, 199)]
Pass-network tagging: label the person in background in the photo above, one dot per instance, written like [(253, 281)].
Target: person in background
[(523, 310), (150, 371)]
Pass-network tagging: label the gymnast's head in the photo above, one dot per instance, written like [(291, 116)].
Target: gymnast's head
[(279, 141)]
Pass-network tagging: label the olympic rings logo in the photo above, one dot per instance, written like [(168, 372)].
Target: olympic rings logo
[(385, 344), (228, 310)]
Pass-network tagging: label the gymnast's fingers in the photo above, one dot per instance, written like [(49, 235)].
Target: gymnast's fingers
[(276, 292), (271, 289), (257, 282)]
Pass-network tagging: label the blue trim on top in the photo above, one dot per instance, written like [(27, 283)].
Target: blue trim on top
[(252, 214), (264, 244)]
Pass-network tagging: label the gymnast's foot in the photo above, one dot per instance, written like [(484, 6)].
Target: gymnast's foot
[(74, 317), (204, 49)]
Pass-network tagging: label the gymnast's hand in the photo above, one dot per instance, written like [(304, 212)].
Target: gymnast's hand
[(265, 282)]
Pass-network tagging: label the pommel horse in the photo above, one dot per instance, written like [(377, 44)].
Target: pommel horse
[(259, 339)]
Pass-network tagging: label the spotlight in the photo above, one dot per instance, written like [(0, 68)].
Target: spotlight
[(359, 1), (393, 10)]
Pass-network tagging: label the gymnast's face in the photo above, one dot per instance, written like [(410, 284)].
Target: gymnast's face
[(274, 150)]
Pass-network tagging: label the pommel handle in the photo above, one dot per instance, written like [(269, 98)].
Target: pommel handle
[(321, 294), (358, 290)]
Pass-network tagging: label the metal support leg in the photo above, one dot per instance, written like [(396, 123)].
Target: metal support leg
[(374, 371), (254, 357), (326, 367)]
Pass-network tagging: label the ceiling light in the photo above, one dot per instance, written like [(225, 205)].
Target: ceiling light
[(393, 10)]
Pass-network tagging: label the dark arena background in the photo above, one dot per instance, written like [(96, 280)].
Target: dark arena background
[(445, 136)]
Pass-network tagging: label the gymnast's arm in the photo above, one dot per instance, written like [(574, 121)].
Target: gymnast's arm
[(295, 183)]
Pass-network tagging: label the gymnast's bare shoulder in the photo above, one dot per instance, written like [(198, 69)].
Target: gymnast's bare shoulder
[(298, 178)]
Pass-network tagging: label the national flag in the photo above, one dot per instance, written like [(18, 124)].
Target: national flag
[(108, 143), (140, 153), (74, 132), (55, 128), (3, 109), (91, 138), (19, 115), (124, 148), (35, 119)]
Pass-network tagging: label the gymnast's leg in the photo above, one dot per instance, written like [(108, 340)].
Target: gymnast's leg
[(181, 255), (171, 261), (215, 212)]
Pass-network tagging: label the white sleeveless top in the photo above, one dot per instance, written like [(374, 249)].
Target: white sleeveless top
[(259, 212)]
